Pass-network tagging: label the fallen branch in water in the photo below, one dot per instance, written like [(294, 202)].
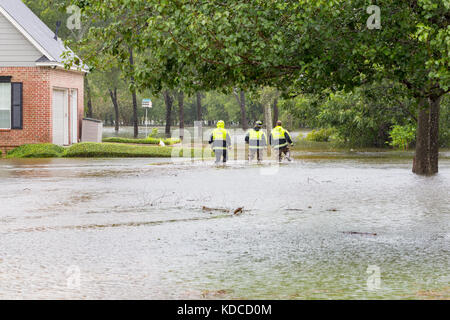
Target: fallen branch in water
[(236, 212), (215, 209), (360, 233)]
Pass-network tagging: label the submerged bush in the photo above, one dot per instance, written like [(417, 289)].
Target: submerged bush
[(402, 136), (154, 133), (46, 150), (116, 150), (322, 135), (148, 140)]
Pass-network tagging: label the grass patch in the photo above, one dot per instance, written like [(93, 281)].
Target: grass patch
[(46, 150), (117, 150), (100, 150), (148, 140)]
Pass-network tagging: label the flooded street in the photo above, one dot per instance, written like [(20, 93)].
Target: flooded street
[(138, 229)]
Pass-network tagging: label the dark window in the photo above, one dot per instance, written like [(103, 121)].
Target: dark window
[(16, 105), (5, 79)]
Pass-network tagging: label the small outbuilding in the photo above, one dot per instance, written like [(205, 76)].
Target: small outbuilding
[(40, 100)]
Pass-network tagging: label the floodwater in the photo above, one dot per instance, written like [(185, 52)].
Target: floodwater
[(137, 229)]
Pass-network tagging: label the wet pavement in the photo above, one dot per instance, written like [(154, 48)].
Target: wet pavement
[(138, 229)]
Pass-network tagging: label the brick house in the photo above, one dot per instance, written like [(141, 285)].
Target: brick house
[(40, 100)]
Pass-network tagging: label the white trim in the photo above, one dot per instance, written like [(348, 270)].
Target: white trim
[(25, 33), (10, 109), (59, 65)]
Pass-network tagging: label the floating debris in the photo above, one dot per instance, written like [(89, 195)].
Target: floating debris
[(215, 209), (360, 233)]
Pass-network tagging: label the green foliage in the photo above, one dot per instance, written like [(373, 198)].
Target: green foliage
[(149, 140), (37, 151), (112, 150), (363, 118), (402, 136), (154, 133), (322, 135), (444, 125)]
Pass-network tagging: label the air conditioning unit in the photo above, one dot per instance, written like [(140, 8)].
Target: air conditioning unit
[(92, 130)]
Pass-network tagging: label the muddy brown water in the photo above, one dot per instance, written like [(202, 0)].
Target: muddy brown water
[(137, 229)]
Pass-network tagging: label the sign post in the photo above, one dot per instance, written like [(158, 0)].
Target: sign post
[(146, 103)]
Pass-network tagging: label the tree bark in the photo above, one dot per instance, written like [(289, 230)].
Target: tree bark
[(268, 121), (199, 106), (113, 94), (181, 112), (169, 103), (241, 101), (89, 112), (427, 141), (133, 93), (275, 112)]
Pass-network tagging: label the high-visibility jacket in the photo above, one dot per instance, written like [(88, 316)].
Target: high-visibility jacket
[(280, 138), (220, 139), (256, 139)]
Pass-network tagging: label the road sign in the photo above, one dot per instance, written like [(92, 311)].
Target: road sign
[(147, 103)]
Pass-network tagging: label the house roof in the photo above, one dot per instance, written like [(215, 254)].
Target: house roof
[(35, 31)]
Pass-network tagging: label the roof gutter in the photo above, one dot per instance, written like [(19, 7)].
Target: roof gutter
[(60, 66)]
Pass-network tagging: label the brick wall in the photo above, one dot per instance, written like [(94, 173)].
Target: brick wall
[(38, 83)]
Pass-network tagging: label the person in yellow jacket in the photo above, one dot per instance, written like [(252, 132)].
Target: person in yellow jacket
[(220, 141), (257, 141), (280, 140)]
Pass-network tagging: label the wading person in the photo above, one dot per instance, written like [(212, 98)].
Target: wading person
[(257, 141), (221, 141), (280, 140)]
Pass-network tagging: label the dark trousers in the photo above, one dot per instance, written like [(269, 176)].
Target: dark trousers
[(257, 152), (281, 151), (221, 154)]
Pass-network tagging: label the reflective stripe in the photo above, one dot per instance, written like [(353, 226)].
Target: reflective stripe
[(256, 139), (279, 138), (219, 134), (219, 139)]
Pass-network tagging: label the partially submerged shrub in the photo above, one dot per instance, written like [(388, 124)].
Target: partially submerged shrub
[(116, 150), (402, 136), (154, 133), (322, 135), (46, 150), (148, 140)]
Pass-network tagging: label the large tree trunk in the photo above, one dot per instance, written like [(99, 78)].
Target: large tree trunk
[(199, 106), (275, 112), (89, 111), (133, 93), (241, 101), (113, 94), (427, 141), (181, 110), (169, 103)]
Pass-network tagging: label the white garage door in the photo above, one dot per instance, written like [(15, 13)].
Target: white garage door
[(60, 117)]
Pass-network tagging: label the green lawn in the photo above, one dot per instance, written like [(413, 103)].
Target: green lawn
[(98, 150), (148, 140)]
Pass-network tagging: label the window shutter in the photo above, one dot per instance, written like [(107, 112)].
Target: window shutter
[(16, 105)]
